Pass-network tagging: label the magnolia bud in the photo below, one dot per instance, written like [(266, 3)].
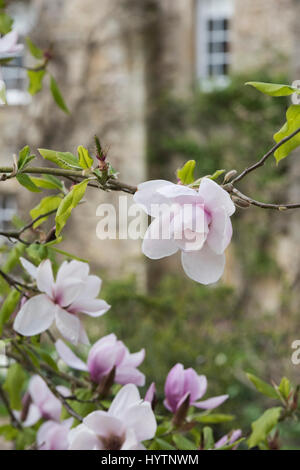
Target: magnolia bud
[(181, 412), (106, 383), (242, 203), (229, 175)]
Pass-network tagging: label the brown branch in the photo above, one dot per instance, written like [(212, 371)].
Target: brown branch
[(263, 205), (262, 161)]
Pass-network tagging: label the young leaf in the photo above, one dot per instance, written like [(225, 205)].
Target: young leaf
[(186, 173), (262, 386), (263, 426), (292, 124), (34, 50), (161, 444), (183, 443), (85, 160), (27, 182), (35, 80), (213, 418), (58, 96), (64, 160), (68, 203), (2, 92), (48, 204), (285, 387), (274, 89), (24, 157), (13, 385), (48, 182), (208, 438), (6, 23), (8, 307), (216, 174)]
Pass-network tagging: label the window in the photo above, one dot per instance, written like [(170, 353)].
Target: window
[(213, 40), (8, 208)]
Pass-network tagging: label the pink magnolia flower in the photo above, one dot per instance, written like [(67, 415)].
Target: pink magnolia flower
[(128, 422), (229, 439), (181, 383), (195, 222), (53, 435), (43, 404), (74, 291), (151, 392), (103, 356), (9, 46)]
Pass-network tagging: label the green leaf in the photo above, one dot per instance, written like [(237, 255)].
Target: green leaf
[(85, 160), (262, 386), (13, 385), (48, 204), (161, 444), (3, 94), (48, 182), (45, 356), (263, 426), (69, 255), (25, 438), (34, 50), (183, 443), (292, 124), (285, 388), (64, 160), (208, 438), (274, 89), (24, 157), (35, 80), (69, 202), (8, 432), (6, 23), (214, 418), (58, 96), (216, 174), (186, 173), (8, 307), (27, 182), (82, 409)]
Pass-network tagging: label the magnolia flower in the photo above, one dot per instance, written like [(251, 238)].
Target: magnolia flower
[(9, 46), (151, 392), (42, 402), (73, 292), (54, 436), (195, 222), (229, 439), (103, 356), (181, 383), (127, 423)]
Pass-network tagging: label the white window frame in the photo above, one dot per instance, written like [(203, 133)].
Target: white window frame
[(16, 95), (211, 10)]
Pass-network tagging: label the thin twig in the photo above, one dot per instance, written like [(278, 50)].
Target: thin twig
[(13, 419), (262, 161), (263, 205)]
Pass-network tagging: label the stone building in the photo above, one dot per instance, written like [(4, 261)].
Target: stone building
[(113, 59)]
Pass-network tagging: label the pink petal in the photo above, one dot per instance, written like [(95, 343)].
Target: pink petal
[(214, 196), (44, 278), (66, 293), (194, 384), (129, 375), (134, 359), (203, 266), (68, 325), (73, 269), (211, 403), (81, 438), (150, 394), (67, 355), (36, 316), (147, 194), (92, 307)]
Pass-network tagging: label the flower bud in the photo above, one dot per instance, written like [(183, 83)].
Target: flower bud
[(242, 203), (231, 174), (181, 412)]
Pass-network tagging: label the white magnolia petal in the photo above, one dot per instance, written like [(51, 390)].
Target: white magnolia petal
[(147, 195), (44, 278), (84, 440), (8, 42), (103, 424), (92, 307), (157, 242), (214, 196), (36, 316), (134, 359), (129, 375), (203, 266), (176, 190), (67, 293), (29, 267), (32, 417), (127, 396), (73, 269), (141, 419), (211, 403), (220, 231), (83, 337), (67, 355), (68, 325)]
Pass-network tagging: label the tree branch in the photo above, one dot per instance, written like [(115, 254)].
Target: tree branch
[(5, 401)]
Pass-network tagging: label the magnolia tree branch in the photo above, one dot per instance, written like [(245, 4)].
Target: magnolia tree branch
[(5, 401)]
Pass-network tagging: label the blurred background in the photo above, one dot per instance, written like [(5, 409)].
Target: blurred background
[(161, 82)]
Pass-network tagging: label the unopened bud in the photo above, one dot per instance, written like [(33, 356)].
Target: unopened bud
[(242, 203), (282, 208), (50, 235), (25, 408), (229, 176)]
